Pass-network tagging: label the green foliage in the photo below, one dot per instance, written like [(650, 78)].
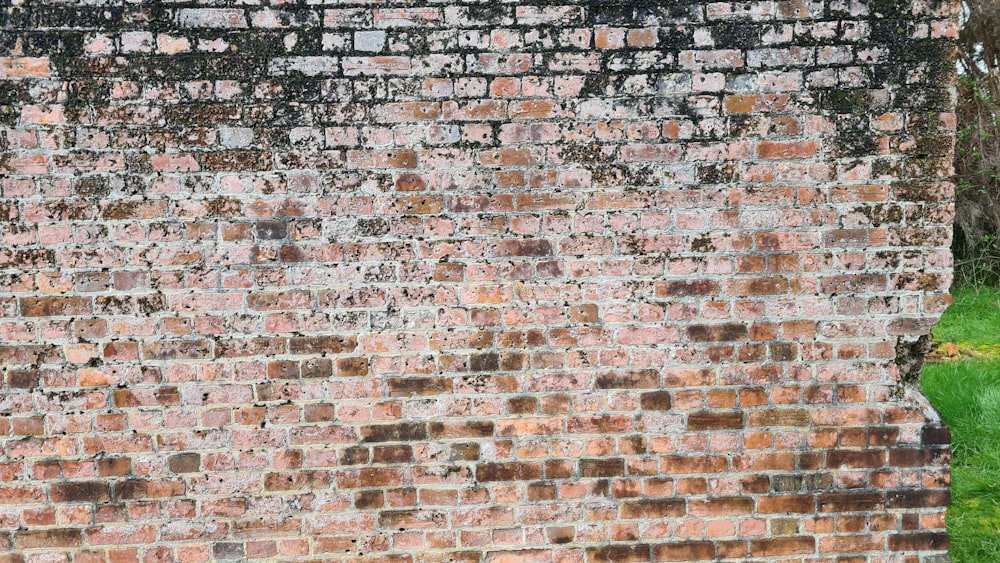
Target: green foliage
[(977, 195)]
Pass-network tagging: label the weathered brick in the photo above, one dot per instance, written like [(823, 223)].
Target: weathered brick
[(659, 508), (710, 420), (515, 471), (84, 491), (62, 538)]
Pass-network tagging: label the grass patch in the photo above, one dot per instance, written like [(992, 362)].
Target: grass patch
[(967, 394), (974, 319)]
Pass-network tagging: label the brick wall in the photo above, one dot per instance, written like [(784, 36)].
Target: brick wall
[(414, 281)]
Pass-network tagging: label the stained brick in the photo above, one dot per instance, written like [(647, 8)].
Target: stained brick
[(85, 491), (659, 508), (402, 432), (623, 553), (514, 471), (687, 551), (711, 420)]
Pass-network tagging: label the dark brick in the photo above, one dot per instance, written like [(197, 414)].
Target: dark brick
[(401, 432), (620, 553), (717, 333), (355, 456), (850, 502), (522, 405), (365, 500), (607, 467), (85, 491), (934, 435), (271, 230), (392, 454), (919, 542), (319, 368), (776, 547), (687, 288), (653, 508), (322, 344), (451, 430), (920, 498), (855, 459), (484, 362), (419, 386), (524, 247), (22, 379), (114, 466), (655, 401), (628, 379), (352, 367), (710, 420), (63, 538), (184, 463), (688, 551), (513, 471)]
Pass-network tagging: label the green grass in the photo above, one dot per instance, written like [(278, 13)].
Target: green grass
[(967, 394), (973, 319)]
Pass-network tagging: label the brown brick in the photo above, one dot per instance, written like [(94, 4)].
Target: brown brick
[(918, 498), (419, 386), (355, 456), (522, 405), (714, 420), (148, 489), (452, 430), (514, 471), (114, 466), (318, 368), (55, 306), (365, 500), (401, 432), (412, 519), (47, 539), (559, 469), (793, 504), (778, 417), (322, 344), (717, 333), (655, 401), (559, 535), (654, 508), (687, 288), (82, 491), (608, 467), (637, 553), (392, 454), (722, 506), (687, 551), (370, 478), (919, 542), (628, 379), (297, 480), (855, 459), (776, 547), (22, 379), (850, 502), (933, 435)]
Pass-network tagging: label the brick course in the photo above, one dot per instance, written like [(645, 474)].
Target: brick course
[(414, 281)]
